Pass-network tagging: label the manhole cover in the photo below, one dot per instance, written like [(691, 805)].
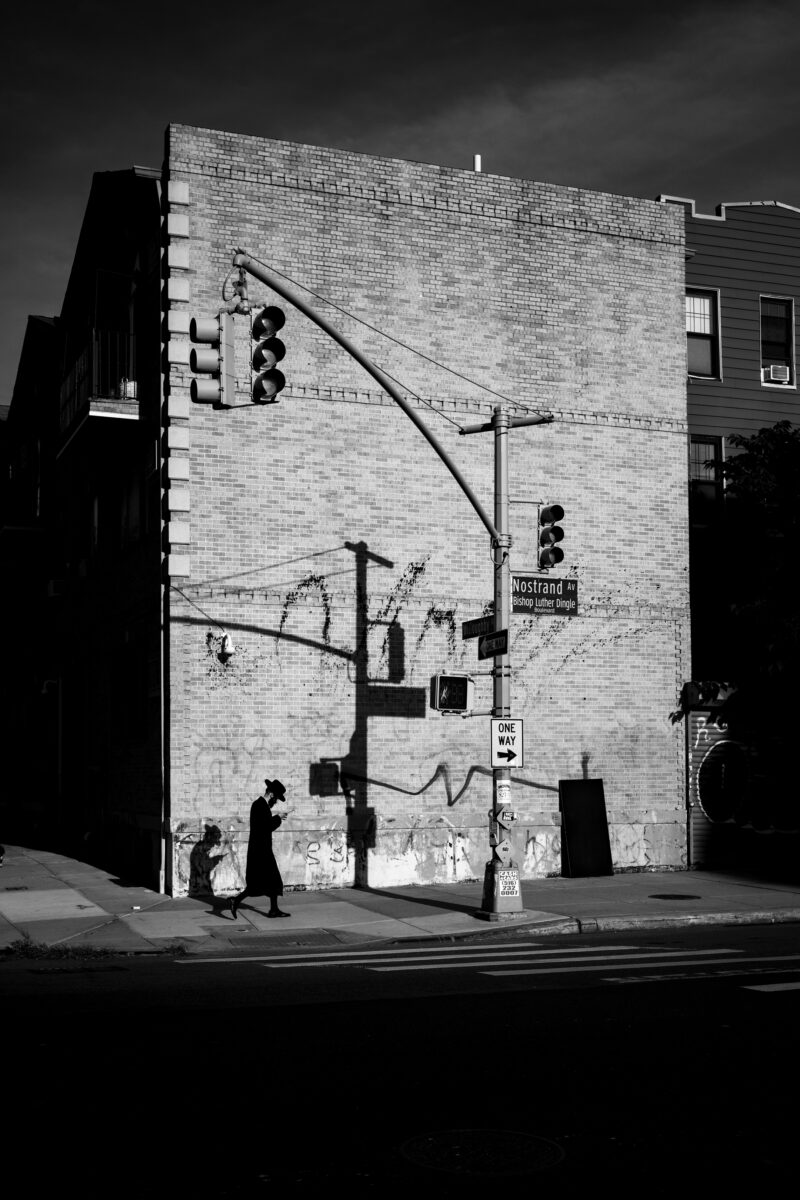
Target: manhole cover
[(482, 1152), (674, 896)]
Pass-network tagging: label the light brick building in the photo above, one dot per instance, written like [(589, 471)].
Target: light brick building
[(327, 539), (324, 536)]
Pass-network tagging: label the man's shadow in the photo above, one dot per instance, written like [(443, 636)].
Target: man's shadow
[(202, 864)]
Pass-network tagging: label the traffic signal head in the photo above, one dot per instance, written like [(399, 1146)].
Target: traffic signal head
[(213, 356), (550, 534), (268, 350), (452, 693)]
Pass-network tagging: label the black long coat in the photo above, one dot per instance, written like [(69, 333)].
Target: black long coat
[(261, 874)]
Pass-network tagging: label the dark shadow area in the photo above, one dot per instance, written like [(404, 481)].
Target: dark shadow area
[(203, 863), (399, 894), (748, 854)]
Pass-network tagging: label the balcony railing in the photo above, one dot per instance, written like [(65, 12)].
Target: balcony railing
[(104, 370)]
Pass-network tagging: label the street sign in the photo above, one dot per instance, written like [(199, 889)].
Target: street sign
[(540, 595), (474, 628), (505, 817), (492, 645), (506, 742), (508, 882)]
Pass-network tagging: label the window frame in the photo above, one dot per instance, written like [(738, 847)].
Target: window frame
[(707, 485), (713, 339), (764, 368)]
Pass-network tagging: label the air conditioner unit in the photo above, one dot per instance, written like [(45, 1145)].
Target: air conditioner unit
[(126, 389), (779, 374)]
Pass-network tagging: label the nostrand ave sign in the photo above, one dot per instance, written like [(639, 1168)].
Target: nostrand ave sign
[(544, 595)]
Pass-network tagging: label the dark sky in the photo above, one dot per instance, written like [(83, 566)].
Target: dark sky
[(693, 99)]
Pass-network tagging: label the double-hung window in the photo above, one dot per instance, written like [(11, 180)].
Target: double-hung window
[(777, 341), (702, 334)]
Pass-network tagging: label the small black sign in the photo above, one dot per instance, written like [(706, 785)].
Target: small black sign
[(478, 626), (544, 595), (492, 645)]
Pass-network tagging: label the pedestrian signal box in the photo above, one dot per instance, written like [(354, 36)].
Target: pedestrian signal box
[(452, 693)]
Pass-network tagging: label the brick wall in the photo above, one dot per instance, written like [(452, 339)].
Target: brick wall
[(328, 539)]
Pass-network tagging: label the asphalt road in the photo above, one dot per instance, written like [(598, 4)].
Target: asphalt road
[(666, 1063)]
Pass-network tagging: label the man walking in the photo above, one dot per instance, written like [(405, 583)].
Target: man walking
[(262, 877)]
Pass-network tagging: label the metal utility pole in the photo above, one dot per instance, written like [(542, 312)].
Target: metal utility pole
[(502, 897)]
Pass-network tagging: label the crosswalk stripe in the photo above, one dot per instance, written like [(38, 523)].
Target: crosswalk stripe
[(606, 958), (325, 956), (771, 987), (686, 962)]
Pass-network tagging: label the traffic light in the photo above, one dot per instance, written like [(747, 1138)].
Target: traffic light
[(215, 359), (452, 693), (268, 350), (550, 534)]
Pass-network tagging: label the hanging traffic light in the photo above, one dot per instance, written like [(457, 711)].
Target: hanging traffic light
[(550, 534), (452, 693), (214, 359), (268, 351)]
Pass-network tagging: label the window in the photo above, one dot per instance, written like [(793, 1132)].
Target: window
[(705, 480), (702, 334), (704, 455), (777, 341)]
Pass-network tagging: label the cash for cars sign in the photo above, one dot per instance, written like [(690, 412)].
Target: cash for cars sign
[(542, 595)]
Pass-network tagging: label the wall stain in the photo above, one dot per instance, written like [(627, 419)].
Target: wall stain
[(440, 618), (316, 582)]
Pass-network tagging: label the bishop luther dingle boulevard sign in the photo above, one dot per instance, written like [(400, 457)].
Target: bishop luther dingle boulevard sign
[(543, 595)]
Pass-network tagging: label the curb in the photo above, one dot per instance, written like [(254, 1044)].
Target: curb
[(619, 924)]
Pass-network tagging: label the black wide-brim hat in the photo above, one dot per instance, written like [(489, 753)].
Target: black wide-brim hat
[(276, 787)]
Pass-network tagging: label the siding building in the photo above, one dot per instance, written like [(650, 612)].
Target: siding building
[(742, 291), (266, 590)]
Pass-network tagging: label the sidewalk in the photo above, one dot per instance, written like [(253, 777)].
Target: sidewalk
[(59, 901)]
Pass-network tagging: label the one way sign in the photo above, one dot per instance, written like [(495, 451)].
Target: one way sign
[(506, 742)]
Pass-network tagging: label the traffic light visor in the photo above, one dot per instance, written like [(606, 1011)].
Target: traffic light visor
[(267, 386), (268, 354), (267, 323), (204, 329)]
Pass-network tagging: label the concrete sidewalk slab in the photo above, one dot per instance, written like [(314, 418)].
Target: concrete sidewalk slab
[(458, 922), (331, 914), (165, 925), (43, 904), (63, 929)]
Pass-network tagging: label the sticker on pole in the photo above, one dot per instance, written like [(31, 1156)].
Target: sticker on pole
[(506, 742), (508, 882)]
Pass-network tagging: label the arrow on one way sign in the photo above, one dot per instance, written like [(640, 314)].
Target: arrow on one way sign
[(507, 754)]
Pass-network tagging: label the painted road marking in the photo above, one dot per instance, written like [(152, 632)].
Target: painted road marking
[(703, 975), (772, 987), (349, 955), (586, 966), (685, 963)]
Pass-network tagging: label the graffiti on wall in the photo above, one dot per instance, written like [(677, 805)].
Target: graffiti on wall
[(727, 785)]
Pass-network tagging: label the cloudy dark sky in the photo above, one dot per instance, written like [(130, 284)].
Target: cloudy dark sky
[(694, 99)]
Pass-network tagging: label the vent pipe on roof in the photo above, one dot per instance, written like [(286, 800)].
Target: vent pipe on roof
[(476, 162)]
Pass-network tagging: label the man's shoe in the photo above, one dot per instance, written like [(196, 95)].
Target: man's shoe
[(234, 907), (278, 913)]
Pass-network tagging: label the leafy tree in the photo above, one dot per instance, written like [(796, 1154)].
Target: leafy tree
[(761, 532)]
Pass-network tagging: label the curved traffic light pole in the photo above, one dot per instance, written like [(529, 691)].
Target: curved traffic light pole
[(494, 906), (258, 271)]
